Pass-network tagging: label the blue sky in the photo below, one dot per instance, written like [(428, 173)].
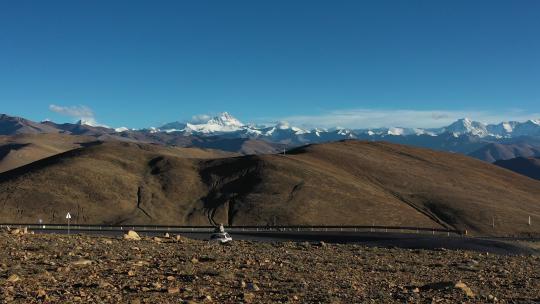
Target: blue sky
[(143, 63)]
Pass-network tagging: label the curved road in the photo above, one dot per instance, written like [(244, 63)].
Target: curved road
[(374, 239)]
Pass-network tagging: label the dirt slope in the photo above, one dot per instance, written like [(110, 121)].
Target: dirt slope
[(348, 182)]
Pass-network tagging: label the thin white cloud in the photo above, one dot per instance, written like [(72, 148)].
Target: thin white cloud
[(73, 111), (82, 113), (201, 118), (377, 118)]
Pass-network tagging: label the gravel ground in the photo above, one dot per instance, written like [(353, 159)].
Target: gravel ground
[(92, 269)]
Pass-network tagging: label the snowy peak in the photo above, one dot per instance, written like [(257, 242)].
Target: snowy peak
[(222, 123), (528, 128), (83, 122), (467, 126), (406, 131), (90, 123), (504, 129), (225, 123), (225, 119)]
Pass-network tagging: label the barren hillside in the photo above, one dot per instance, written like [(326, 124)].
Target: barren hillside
[(349, 182), (23, 149)]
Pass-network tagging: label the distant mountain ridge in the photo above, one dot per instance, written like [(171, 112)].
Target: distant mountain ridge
[(496, 151), (224, 131), (10, 125), (226, 123)]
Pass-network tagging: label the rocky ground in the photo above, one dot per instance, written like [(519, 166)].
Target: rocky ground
[(88, 269)]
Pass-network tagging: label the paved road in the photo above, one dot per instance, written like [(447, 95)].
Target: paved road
[(375, 239)]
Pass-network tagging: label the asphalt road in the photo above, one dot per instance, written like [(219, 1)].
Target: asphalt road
[(374, 239)]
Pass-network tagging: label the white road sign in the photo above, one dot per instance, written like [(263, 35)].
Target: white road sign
[(68, 216)]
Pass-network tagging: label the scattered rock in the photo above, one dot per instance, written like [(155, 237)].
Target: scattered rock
[(18, 231), (438, 286), (41, 294), (321, 244), (446, 285), (180, 238), (468, 292), (141, 263), (132, 235), (81, 262), (173, 290), (253, 287), (248, 297), (250, 272), (13, 278)]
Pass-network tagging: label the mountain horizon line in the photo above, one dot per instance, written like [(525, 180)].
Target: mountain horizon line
[(225, 118), (224, 122)]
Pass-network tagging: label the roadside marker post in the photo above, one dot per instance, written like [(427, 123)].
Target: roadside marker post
[(68, 217), (529, 220)]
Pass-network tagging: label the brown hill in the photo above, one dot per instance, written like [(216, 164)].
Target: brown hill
[(494, 151), (528, 166), (347, 182), (244, 146), (23, 149), (10, 125)]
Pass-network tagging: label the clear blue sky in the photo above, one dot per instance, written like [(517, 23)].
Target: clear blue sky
[(142, 63)]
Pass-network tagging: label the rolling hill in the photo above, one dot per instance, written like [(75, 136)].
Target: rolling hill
[(496, 151), (349, 182), (528, 166), (23, 149), (10, 125)]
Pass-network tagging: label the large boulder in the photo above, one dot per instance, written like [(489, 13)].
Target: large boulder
[(132, 235)]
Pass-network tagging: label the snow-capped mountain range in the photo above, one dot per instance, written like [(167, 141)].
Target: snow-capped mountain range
[(226, 124), (489, 142)]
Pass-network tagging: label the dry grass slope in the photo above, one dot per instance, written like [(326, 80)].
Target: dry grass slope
[(22, 149), (349, 182)]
